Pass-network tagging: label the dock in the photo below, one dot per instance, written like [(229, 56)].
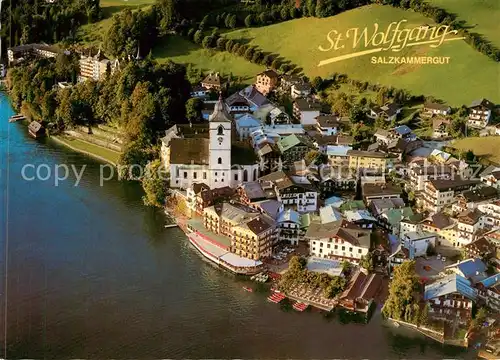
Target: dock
[(17, 117), (168, 226)]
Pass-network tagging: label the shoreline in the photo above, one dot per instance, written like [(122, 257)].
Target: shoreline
[(63, 142)]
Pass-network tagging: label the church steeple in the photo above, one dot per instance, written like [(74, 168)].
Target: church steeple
[(220, 113)]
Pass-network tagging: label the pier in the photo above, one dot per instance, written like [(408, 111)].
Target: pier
[(17, 117), (168, 226)]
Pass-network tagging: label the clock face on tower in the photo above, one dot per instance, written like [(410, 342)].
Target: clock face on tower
[(220, 139)]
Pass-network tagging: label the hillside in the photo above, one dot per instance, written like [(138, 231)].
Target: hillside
[(481, 15), (182, 51), (458, 82), (94, 33)]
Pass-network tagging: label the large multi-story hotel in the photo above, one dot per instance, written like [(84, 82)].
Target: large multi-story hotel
[(95, 67)]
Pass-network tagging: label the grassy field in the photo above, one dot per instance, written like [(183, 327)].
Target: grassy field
[(469, 74), (93, 34), (481, 146), (89, 149), (481, 15), (179, 50)]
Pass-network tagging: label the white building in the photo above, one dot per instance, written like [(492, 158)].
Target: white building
[(337, 240), (300, 90), (195, 160), (306, 110), (480, 113), (491, 214), (289, 226), (469, 224), (418, 242)]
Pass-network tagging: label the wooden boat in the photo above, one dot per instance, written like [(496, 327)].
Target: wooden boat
[(246, 288), (15, 118)]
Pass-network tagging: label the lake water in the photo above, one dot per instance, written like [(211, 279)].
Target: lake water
[(89, 272)]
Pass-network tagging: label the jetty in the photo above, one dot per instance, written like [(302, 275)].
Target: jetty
[(168, 226), (17, 117)]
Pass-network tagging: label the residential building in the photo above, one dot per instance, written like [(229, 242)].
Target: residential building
[(290, 227), (338, 155), (338, 240), (269, 158), (489, 291), (213, 81), (390, 213), (471, 199), (300, 90), (372, 192), (294, 148), (237, 104), (328, 125), (469, 224), (439, 194), (216, 161), (418, 174), (254, 98), (359, 160), (294, 192), (491, 214), (418, 242), (329, 213), (473, 269), (361, 218), (200, 196), (388, 112), (287, 81), (306, 110), (444, 227), (199, 92), (432, 108), (480, 113), (267, 81), (334, 179), (450, 298), (440, 127), (399, 255), (491, 177), (245, 124), (480, 248)]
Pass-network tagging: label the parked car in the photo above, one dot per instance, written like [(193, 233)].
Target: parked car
[(443, 259)]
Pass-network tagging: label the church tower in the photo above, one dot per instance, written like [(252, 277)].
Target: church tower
[(220, 146)]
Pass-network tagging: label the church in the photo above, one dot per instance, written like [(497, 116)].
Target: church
[(214, 160)]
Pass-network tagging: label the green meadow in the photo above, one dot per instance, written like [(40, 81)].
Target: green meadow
[(182, 51), (469, 74), (93, 34), (481, 16)]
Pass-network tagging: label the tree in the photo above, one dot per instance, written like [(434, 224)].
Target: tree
[(381, 97), (480, 318), (276, 64), (341, 106), (208, 42), (366, 262), (400, 303), (284, 13), (356, 115), (263, 18), (317, 83), (232, 22), (229, 45), (311, 7), (198, 36), (154, 184), (194, 106), (249, 20), (221, 43)]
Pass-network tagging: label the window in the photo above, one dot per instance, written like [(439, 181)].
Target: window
[(185, 175), (350, 249), (320, 244), (336, 247), (328, 246), (219, 160), (216, 173), (195, 175), (235, 177), (204, 175), (359, 251), (220, 130), (343, 248)]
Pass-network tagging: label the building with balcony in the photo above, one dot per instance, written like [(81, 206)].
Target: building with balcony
[(439, 194), (289, 225), (480, 113), (96, 67), (306, 110), (450, 298), (338, 240), (359, 160), (471, 199), (328, 125), (294, 192), (469, 226), (432, 108), (213, 81), (443, 226), (252, 233), (376, 191), (294, 148), (419, 173), (417, 243), (302, 89), (491, 214), (19, 53)]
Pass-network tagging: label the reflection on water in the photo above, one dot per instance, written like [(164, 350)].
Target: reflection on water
[(93, 273)]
